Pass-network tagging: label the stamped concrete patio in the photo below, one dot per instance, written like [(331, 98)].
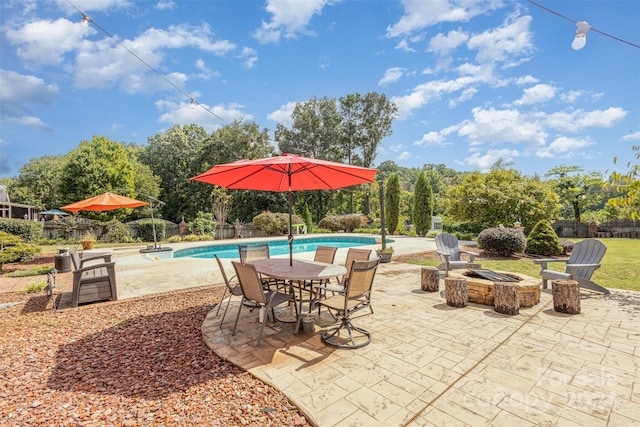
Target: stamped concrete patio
[(430, 364)]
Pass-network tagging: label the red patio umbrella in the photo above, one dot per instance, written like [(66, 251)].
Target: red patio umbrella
[(288, 173), (104, 202)]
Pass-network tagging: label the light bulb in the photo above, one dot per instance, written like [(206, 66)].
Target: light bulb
[(85, 21), (193, 103), (581, 35)]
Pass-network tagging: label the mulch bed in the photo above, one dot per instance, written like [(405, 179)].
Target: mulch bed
[(137, 362)]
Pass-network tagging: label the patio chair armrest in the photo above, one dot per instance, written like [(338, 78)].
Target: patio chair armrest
[(472, 255), (445, 255), (105, 257), (335, 288), (107, 265), (543, 262)]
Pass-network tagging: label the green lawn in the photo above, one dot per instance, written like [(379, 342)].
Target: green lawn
[(620, 266)]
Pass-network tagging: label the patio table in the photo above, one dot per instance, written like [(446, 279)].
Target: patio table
[(301, 270)]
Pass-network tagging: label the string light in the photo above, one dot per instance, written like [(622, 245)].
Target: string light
[(86, 20), (581, 33)]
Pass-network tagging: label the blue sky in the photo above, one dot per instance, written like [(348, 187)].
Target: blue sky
[(474, 80)]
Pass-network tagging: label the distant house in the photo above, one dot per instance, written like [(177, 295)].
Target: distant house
[(16, 210)]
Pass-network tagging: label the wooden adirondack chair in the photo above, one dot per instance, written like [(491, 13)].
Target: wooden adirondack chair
[(584, 260)]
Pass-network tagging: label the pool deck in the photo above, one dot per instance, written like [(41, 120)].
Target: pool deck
[(430, 364)]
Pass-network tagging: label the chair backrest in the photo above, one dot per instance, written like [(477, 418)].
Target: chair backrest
[(253, 252), (75, 258), (325, 254), (249, 282), (361, 278), (224, 274), (448, 244), (354, 254), (588, 251)]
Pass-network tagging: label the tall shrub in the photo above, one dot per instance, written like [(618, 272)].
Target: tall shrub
[(422, 205), (392, 202), (308, 219), (543, 240)]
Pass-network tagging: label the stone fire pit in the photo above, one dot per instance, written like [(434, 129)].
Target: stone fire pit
[(480, 290)]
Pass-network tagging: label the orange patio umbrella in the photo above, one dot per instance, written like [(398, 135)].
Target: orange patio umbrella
[(104, 202)]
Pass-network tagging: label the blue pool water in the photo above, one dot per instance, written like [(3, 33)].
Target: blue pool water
[(278, 247)]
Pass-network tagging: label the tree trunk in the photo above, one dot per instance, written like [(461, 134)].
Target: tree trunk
[(505, 297), (566, 296), (456, 292), (430, 279)]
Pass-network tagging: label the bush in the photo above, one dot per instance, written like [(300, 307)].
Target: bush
[(145, 230), (543, 240), (347, 223), (502, 241), (115, 232), (28, 231), (567, 246), (204, 222), (13, 249), (275, 223)]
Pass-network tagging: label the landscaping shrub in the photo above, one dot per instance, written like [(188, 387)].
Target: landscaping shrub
[(308, 218), (28, 231), (145, 230), (204, 222), (502, 241), (275, 223), (347, 223), (543, 240), (13, 249), (115, 232)]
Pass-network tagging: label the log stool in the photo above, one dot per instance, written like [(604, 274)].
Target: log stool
[(430, 279), (566, 296), (455, 290), (506, 297)]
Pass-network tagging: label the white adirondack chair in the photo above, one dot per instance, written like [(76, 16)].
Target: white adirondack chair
[(450, 253)]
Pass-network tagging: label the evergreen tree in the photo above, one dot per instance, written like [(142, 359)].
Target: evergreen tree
[(392, 202), (422, 205)]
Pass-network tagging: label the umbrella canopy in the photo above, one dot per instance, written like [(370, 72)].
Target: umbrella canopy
[(104, 202), (55, 212), (288, 173)]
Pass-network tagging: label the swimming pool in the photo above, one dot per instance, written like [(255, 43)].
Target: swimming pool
[(278, 247)]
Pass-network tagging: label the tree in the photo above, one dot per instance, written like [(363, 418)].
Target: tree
[(574, 189), (501, 196), (172, 157), (628, 184), (38, 182), (95, 167), (422, 205), (392, 202)]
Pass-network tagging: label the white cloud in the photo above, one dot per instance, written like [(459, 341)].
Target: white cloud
[(443, 44), (525, 80), (396, 148), (283, 114), (502, 126), (572, 96), (249, 56), (536, 94), (19, 93), (635, 136), (165, 5), (419, 14), (405, 155), (506, 43), (577, 120), (484, 162), (288, 19), (205, 72), (391, 75), (105, 63), (94, 5), (47, 42), (209, 117), (404, 45), (563, 147), (430, 139)]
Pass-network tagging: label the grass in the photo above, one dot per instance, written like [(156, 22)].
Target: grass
[(620, 268), (35, 287), (30, 272)]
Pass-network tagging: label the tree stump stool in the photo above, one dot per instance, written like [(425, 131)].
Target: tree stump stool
[(455, 291), (566, 296), (506, 297), (430, 279)]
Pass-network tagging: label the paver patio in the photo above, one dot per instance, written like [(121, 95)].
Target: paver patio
[(430, 364)]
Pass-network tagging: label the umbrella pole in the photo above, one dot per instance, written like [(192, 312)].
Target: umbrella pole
[(290, 229)]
